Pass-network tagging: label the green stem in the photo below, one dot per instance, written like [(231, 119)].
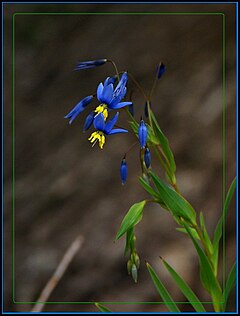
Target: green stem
[(206, 249)]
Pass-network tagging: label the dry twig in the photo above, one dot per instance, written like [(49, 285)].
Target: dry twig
[(57, 275)]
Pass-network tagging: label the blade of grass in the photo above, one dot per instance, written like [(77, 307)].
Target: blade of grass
[(229, 284), (102, 308), (166, 297), (208, 278), (185, 289), (219, 227)]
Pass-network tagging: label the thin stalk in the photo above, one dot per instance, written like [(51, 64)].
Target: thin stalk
[(115, 67), (138, 86)]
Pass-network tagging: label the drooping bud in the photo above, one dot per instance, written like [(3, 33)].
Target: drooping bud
[(134, 273), (142, 133), (161, 70), (90, 64), (123, 171), (147, 157), (136, 260), (129, 266)]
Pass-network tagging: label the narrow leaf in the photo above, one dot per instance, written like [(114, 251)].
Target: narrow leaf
[(174, 201), (193, 231), (166, 297), (185, 289), (102, 308), (219, 227), (132, 218), (148, 188), (164, 143), (207, 276), (205, 234), (229, 284)]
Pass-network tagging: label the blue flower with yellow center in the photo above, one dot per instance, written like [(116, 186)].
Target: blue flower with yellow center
[(109, 97), (103, 129)]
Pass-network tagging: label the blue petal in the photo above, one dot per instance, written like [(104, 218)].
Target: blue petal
[(98, 122), (120, 91), (110, 80), (79, 108), (119, 105), (117, 131), (88, 121), (111, 123), (99, 92), (106, 95)]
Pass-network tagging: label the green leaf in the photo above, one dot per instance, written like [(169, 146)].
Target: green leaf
[(207, 276), (185, 289), (163, 142), (132, 218), (134, 127), (219, 227), (205, 234), (193, 231), (174, 201), (229, 284), (102, 308), (149, 189), (166, 297), (151, 136)]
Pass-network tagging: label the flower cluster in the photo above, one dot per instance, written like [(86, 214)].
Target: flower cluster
[(110, 98), (110, 95)]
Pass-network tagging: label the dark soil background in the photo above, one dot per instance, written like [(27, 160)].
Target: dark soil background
[(64, 187)]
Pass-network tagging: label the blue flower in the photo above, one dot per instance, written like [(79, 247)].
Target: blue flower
[(147, 157), (79, 108), (123, 171), (161, 70), (88, 121), (109, 97), (103, 129), (142, 133), (90, 64)]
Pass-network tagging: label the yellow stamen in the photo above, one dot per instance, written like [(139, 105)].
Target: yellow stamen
[(97, 136), (102, 108)]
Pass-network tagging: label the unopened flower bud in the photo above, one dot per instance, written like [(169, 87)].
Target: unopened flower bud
[(147, 157), (123, 171), (134, 273), (142, 133), (129, 266)]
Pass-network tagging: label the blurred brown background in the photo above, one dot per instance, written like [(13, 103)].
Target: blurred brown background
[(63, 187)]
